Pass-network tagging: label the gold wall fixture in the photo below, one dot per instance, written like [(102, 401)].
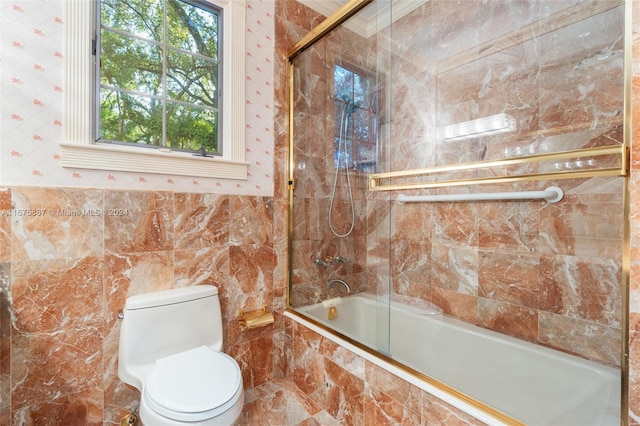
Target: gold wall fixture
[(255, 319), (387, 181)]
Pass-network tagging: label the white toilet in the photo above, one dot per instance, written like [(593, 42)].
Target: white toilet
[(171, 350)]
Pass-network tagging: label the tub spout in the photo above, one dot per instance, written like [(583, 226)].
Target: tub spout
[(335, 281)]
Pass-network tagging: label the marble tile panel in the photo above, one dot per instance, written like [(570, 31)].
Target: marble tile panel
[(5, 224), (201, 221), (581, 288), (463, 306), (141, 222), (514, 320), (343, 357), (343, 394), (208, 265), (588, 339), (381, 409), (251, 269), (451, 34), (438, 412), (309, 218), (412, 222), (498, 18), (81, 408), (593, 95), (255, 358), (400, 391), (411, 267), (509, 226), (5, 342), (454, 268), (411, 264), (589, 225), (53, 375), (280, 402), (455, 223), (51, 223), (136, 273), (53, 295), (509, 277), (250, 220), (308, 369)]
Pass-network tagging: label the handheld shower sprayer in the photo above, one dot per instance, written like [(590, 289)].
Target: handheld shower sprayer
[(347, 111)]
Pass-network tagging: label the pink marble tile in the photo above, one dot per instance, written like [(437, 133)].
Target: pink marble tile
[(136, 273), (400, 391), (53, 376), (437, 412), (5, 225), (308, 369), (509, 277), (584, 338), (380, 408), (255, 358), (250, 220), (56, 223), (53, 295), (201, 221), (509, 225), (141, 222), (580, 288), (585, 225), (509, 319), (344, 394), (209, 265), (454, 268)]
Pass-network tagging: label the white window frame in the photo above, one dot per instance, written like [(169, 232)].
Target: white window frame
[(79, 150)]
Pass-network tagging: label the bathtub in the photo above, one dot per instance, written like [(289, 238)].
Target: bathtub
[(528, 382)]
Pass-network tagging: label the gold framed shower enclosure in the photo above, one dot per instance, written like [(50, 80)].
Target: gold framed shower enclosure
[(616, 164)]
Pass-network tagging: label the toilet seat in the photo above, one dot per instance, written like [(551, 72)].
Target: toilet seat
[(194, 385)]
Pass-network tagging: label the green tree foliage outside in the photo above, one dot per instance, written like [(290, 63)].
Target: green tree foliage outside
[(159, 77)]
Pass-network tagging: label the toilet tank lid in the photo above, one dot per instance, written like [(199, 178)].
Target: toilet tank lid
[(169, 297)]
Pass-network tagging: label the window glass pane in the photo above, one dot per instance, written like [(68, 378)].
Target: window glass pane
[(140, 17), (191, 127), (361, 124), (343, 81), (149, 93), (129, 118), (192, 79), (191, 28), (130, 64)]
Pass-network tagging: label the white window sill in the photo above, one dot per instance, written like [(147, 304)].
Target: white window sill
[(141, 160)]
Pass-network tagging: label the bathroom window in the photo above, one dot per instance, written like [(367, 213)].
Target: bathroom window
[(156, 103), (159, 74), (355, 118)]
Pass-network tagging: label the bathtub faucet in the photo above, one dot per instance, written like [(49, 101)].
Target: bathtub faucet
[(335, 281)]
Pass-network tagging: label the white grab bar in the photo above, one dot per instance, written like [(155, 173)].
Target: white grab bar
[(553, 194)]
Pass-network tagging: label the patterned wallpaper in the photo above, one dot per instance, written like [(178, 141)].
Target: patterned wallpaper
[(32, 88)]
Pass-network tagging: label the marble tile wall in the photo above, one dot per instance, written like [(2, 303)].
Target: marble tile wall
[(70, 268), (510, 267)]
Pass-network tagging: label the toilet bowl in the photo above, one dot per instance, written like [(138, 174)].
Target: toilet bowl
[(184, 388), (171, 351)]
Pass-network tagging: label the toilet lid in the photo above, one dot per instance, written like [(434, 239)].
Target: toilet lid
[(196, 381)]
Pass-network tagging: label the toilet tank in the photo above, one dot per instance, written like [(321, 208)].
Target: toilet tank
[(166, 322)]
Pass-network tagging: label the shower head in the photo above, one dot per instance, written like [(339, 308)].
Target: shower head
[(350, 104)]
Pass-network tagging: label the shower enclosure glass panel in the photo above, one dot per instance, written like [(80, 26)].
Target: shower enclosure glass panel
[(337, 232), (407, 85)]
